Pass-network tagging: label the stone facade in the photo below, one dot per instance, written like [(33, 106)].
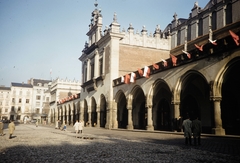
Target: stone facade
[(165, 88)]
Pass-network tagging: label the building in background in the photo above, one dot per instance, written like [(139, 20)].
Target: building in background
[(21, 101), (5, 93), (40, 99), (63, 90), (24, 102)]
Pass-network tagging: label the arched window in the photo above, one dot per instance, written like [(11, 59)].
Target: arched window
[(92, 68), (228, 13), (214, 20), (189, 32), (179, 37), (200, 27), (85, 72)]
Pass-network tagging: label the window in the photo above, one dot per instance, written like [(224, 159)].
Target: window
[(200, 27), (6, 110), (12, 108), (20, 100), (37, 111), (38, 97), (100, 66), (214, 20), (18, 117), (229, 14), (47, 99), (179, 37), (27, 101), (92, 69), (13, 99), (85, 74), (189, 33)]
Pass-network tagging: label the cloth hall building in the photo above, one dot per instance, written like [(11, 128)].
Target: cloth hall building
[(151, 82)]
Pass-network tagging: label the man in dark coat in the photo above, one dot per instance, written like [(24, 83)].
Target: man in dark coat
[(197, 130)]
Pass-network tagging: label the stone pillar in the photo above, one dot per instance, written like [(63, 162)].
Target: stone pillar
[(109, 115), (63, 114), (130, 122), (72, 113), (57, 114), (90, 119), (81, 113), (114, 116), (67, 114), (177, 119), (98, 116), (218, 130), (149, 119)]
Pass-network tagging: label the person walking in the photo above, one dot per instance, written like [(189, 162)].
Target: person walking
[(56, 124), (197, 130), (187, 129), (1, 128), (64, 128), (37, 123), (81, 126), (76, 127), (11, 128), (59, 124)]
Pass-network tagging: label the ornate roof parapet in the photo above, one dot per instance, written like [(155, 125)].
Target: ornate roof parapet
[(144, 39), (65, 81), (157, 31)]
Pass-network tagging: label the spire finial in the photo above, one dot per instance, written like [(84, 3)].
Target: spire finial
[(115, 17), (96, 4)]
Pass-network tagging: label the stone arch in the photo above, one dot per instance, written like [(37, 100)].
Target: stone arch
[(139, 111), (162, 112), (122, 112), (77, 110), (102, 110), (85, 112), (226, 87), (193, 93), (93, 112)]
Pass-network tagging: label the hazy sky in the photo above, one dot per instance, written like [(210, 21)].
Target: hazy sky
[(39, 36)]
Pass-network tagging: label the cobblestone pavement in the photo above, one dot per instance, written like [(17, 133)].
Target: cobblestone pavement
[(45, 144)]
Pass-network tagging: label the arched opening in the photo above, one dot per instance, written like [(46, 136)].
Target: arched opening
[(103, 112), (161, 113), (93, 113), (139, 112), (230, 104), (122, 112), (85, 115), (195, 100)]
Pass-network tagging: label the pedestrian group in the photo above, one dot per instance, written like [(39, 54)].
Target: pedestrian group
[(192, 128)]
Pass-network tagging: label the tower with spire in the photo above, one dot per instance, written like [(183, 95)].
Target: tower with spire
[(95, 27)]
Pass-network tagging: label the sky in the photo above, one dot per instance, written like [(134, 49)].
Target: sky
[(43, 39)]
